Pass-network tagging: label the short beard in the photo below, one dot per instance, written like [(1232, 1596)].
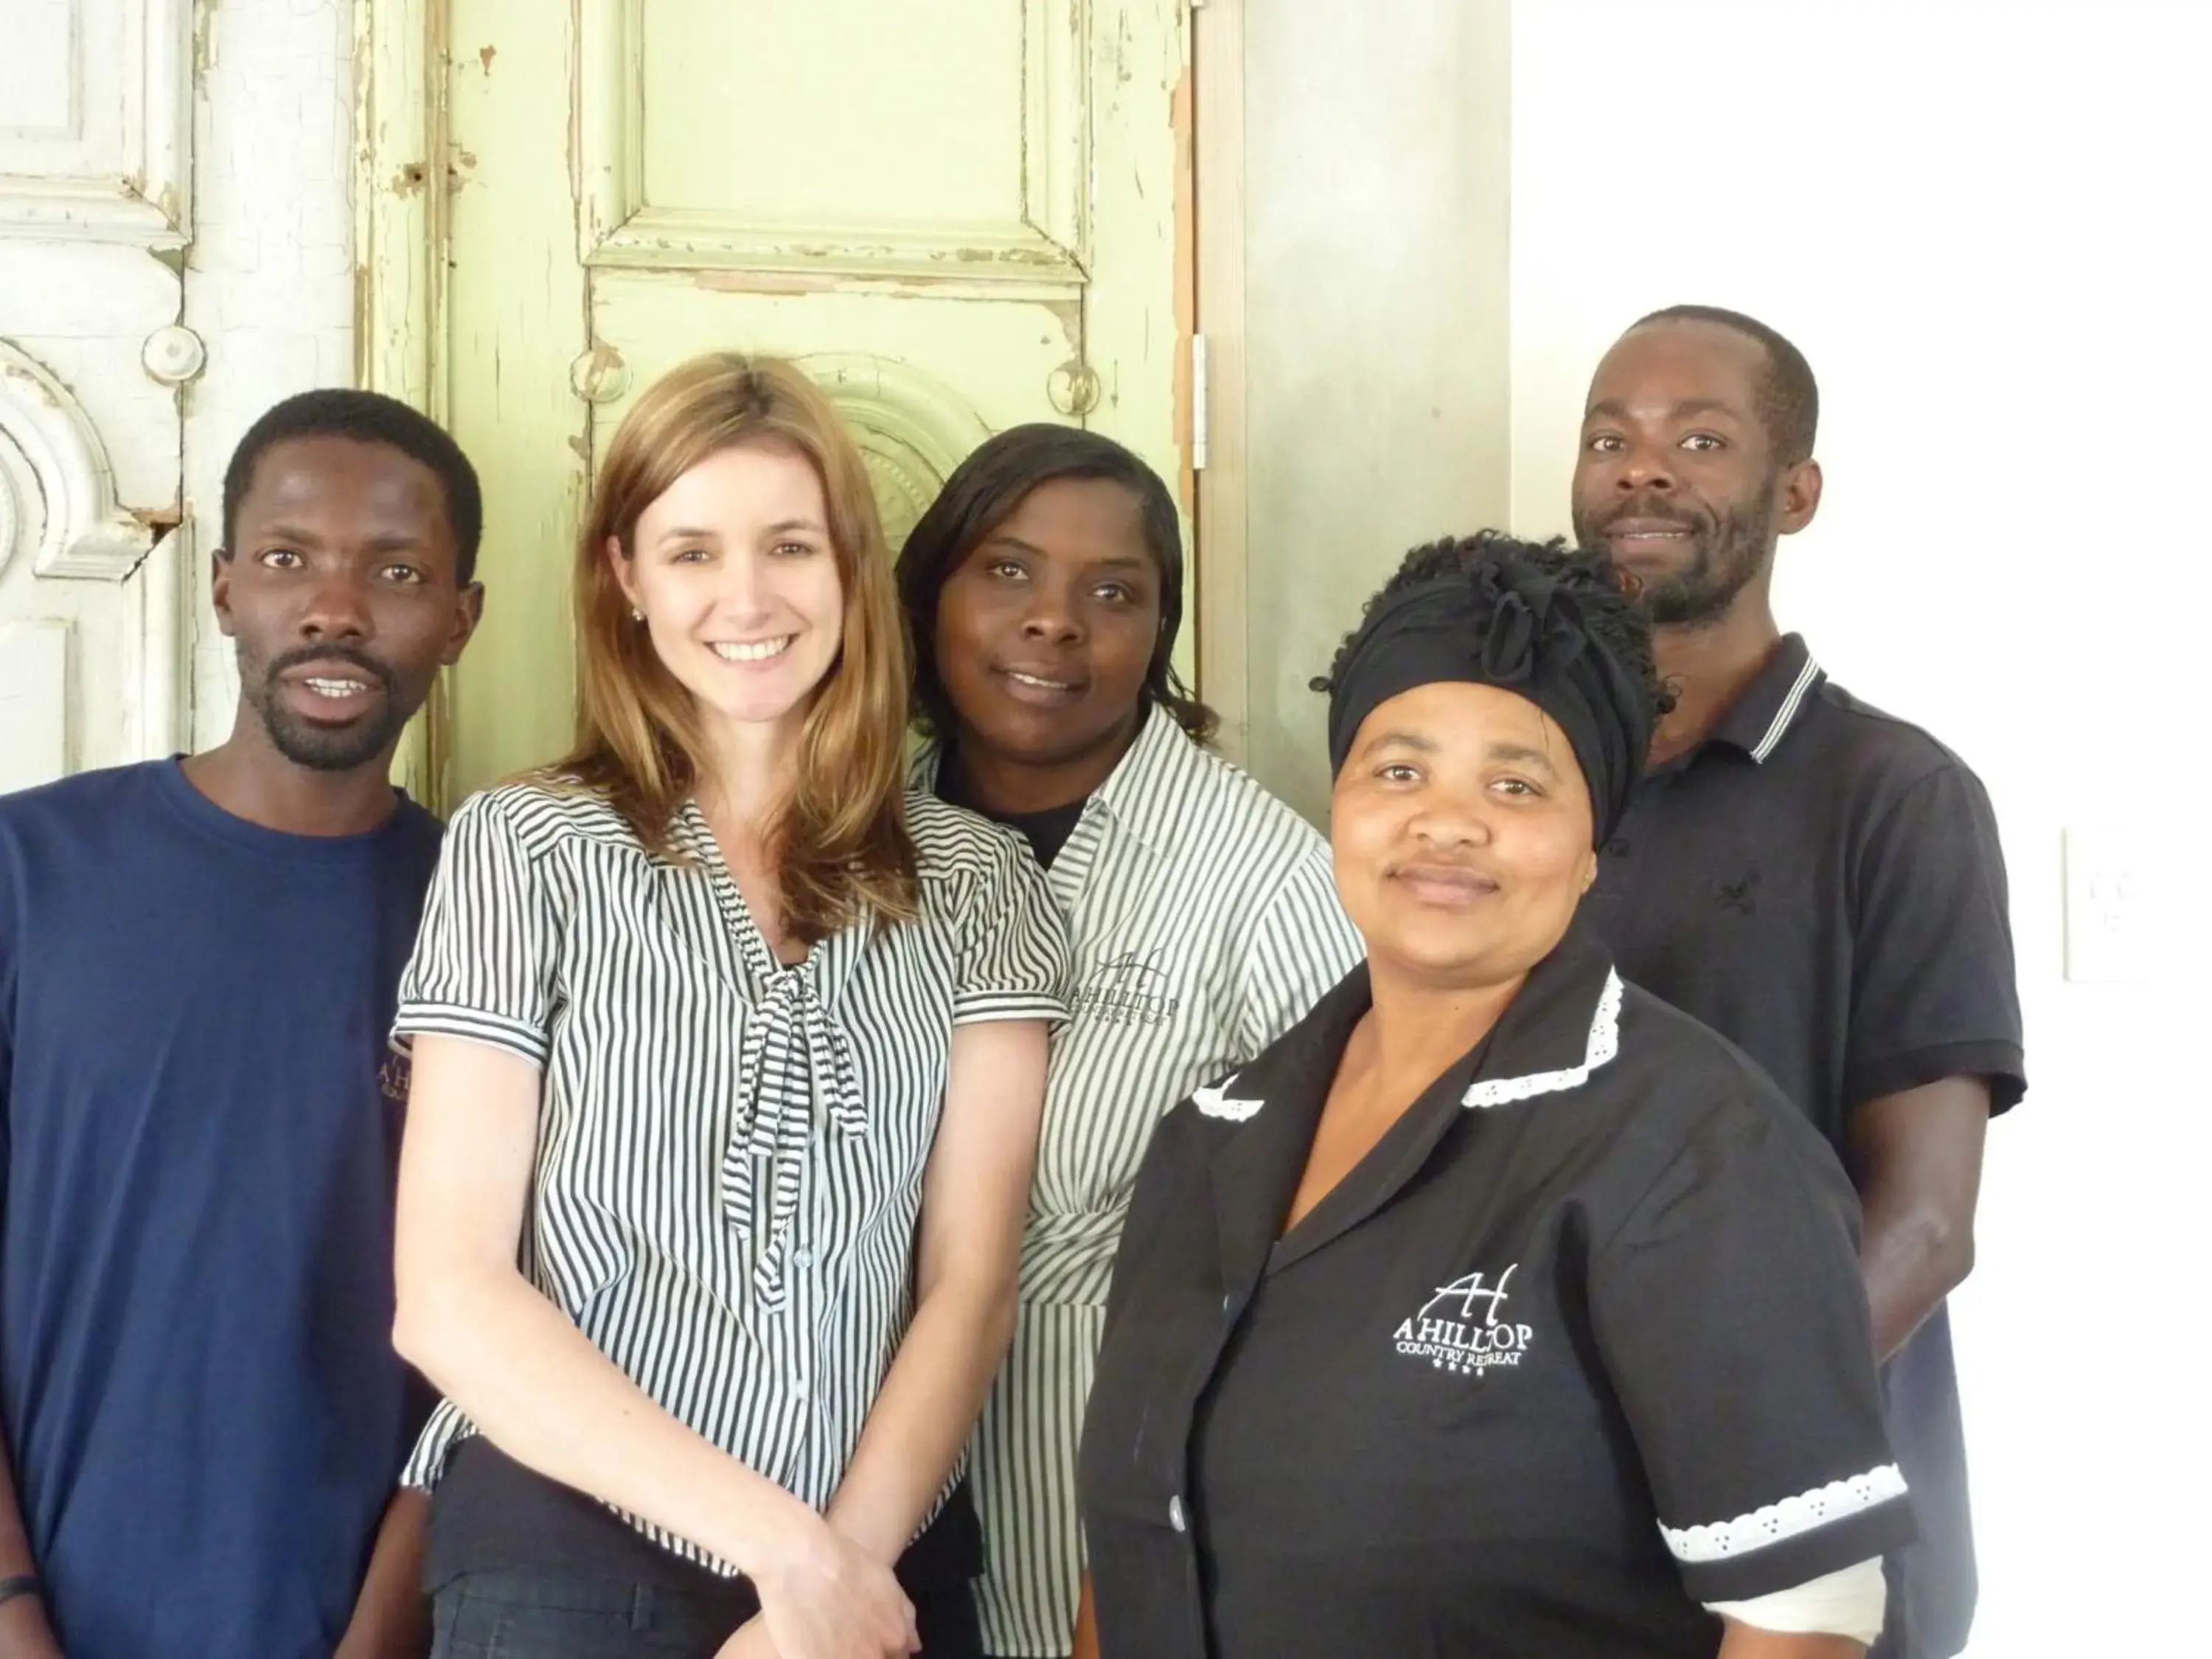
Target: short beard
[(1726, 556), (318, 749)]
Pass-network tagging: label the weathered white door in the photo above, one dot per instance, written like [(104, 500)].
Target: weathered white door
[(963, 215), (95, 126)]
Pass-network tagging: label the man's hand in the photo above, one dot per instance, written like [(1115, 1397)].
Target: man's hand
[(24, 1631), (365, 1640), (390, 1617)]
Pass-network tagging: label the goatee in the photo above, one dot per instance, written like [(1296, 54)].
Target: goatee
[(322, 748)]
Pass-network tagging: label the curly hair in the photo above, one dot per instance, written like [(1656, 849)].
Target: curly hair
[(1605, 593)]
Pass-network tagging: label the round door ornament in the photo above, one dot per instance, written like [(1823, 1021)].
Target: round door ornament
[(911, 428), (1074, 388), (599, 375), (173, 354)]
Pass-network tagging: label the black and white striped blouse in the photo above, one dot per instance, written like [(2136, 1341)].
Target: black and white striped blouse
[(729, 1151), (1203, 920)]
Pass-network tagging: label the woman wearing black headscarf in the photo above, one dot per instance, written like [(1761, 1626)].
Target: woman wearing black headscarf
[(1498, 1310)]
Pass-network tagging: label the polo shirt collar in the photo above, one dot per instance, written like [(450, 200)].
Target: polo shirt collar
[(1141, 794), (1562, 1030), (1763, 715)]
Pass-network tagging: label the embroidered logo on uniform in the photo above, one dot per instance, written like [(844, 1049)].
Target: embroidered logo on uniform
[(1462, 1328), (1741, 896), (1127, 990), (1215, 1101), (396, 1075)]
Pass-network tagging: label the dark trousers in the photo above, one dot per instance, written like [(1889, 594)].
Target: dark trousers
[(528, 1615)]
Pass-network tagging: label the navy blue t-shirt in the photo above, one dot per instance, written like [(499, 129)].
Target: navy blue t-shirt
[(200, 1117)]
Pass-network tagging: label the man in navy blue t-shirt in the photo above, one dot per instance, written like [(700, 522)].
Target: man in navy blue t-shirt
[(199, 1114)]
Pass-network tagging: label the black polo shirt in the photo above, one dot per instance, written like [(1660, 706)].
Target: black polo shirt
[(1822, 884), (1579, 1346)]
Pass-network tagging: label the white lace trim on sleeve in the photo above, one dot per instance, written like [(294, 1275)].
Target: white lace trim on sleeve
[(1838, 1500)]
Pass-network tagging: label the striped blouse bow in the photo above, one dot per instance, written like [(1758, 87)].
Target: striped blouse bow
[(792, 1054), (793, 1050)]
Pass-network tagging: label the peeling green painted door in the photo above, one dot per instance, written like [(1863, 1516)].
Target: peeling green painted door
[(961, 215)]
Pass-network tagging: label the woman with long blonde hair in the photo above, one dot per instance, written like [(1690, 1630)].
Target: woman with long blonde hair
[(728, 1058)]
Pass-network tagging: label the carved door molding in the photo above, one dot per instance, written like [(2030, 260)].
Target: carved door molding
[(94, 202)]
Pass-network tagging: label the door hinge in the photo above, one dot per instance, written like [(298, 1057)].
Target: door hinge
[(1199, 410)]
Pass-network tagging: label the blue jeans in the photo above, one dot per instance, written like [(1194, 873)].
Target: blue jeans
[(527, 1615)]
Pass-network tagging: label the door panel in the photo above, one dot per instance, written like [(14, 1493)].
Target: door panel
[(786, 131), (943, 361), (962, 216), (95, 132)]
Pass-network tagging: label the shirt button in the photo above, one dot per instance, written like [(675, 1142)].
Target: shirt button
[(802, 1257), (1175, 1513)]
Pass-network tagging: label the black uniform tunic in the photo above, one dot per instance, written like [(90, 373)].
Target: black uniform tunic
[(1579, 1346)]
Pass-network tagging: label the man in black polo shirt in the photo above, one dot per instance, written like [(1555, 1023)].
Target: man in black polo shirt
[(1817, 880)]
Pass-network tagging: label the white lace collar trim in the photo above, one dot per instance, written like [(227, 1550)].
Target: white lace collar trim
[(1604, 1044), (1214, 1100)]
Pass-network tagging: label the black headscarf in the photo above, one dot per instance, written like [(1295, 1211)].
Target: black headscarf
[(1505, 619)]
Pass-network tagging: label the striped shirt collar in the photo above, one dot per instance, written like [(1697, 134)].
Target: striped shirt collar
[(1763, 715), (1139, 794)]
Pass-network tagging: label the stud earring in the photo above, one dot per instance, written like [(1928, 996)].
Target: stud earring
[(636, 615)]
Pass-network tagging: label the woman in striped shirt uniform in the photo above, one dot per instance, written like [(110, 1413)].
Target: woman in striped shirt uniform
[(701, 1019), (1044, 591)]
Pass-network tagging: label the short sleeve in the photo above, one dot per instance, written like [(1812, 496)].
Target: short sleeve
[(483, 966), (445, 1429), (1302, 944), (1013, 941), (1732, 1325), (1934, 992)]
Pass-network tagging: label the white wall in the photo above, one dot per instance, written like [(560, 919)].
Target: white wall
[(1985, 228), (269, 281)]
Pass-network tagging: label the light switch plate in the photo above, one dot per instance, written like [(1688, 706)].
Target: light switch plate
[(2112, 927)]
